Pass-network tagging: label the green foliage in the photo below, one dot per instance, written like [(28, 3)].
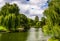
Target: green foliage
[(53, 39), (9, 8), (1, 19), (30, 22), (52, 13), (36, 19), (37, 23), (43, 20), (46, 29), (3, 28), (11, 19)]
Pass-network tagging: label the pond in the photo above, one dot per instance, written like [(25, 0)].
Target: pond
[(32, 35)]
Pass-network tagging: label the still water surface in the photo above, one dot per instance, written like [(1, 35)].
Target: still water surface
[(32, 35)]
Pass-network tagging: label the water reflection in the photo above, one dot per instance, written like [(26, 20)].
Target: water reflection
[(31, 36), (36, 35), (14, 36), (0, 36), (41, 35)]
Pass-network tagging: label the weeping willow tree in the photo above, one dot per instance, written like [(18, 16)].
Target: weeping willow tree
[(52, 14), (11, 18)]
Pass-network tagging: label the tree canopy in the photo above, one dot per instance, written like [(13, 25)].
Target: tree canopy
[(52, 14), (11, 18)]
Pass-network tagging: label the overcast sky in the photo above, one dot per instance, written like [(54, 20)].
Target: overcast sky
[(30, 8)]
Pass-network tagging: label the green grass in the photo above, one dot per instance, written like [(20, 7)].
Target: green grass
[(3, 28)]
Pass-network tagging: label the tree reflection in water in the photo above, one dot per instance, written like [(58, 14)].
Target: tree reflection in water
[(36, 35)]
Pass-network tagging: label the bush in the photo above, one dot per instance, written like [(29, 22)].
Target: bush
[(53, 39), (3, 29), (46, 30)]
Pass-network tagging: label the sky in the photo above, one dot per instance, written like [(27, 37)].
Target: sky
[(30, 8)]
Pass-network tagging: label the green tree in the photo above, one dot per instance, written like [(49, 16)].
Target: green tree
[(30, 22), (43, 21), (24, 21), (11, 18), (9, 8), (36, 19), (52, 14), (1, 19), (38, 24)]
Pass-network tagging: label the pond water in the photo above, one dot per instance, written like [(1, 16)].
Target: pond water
[(32, 35)]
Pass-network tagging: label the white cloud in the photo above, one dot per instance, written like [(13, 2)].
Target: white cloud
[(33, 6), (1, 1), (36, 11), (25, 7), (37, 1), (34, 1)]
